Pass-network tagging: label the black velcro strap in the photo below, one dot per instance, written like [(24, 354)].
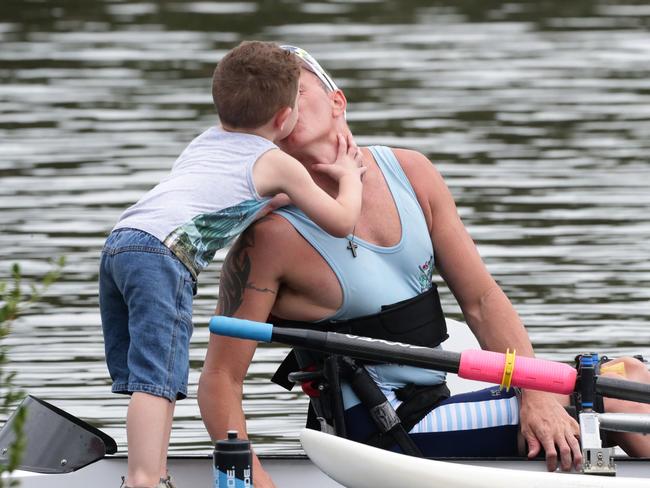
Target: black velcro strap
[(384, 416), (417, 401), (419, 321)]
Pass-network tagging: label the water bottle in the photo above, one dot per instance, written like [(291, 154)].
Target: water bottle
[(233, 462)]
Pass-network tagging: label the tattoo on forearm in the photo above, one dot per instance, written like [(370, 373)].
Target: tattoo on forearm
[(235, 274)]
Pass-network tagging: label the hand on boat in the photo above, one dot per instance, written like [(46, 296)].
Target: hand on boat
[(545, 424)]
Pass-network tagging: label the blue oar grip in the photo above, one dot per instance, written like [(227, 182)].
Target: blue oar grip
[(240, 328)]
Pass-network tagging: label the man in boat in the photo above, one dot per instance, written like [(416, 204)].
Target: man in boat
[(287, 267)]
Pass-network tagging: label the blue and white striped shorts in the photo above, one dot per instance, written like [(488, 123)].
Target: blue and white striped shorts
[(482, 423), (476, 410)]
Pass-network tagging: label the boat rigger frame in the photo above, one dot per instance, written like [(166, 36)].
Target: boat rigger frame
[(583, 381)]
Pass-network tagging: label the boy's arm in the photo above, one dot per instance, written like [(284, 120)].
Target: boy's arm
[(248, 289), (277, 172)]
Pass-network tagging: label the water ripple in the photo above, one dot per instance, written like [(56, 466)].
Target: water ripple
[(537, 116)]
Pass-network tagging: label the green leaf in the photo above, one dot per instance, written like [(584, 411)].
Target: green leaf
[(11, 301)]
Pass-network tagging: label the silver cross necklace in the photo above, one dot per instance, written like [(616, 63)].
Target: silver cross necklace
[(352, 247)]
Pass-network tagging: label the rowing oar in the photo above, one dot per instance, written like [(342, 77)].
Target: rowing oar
[(487, 366)]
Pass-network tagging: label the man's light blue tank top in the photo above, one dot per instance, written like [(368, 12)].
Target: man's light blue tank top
[(379, 275)]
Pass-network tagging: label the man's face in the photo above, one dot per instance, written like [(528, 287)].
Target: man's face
[(314, 114), (290, 123)]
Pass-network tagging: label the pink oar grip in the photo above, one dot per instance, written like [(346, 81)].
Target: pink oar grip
[(536, 374)]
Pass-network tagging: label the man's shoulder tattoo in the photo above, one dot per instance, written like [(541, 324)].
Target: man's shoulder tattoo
[(235, 274)]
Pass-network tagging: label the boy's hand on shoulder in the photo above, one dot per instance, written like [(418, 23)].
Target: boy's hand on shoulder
[(278, 201), (349, 160)]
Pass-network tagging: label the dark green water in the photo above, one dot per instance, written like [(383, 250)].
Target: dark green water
[(537, 114)]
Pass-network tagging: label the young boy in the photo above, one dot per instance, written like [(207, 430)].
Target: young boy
[(226, 178)]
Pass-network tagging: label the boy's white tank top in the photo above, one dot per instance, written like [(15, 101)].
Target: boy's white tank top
[(207, 200)]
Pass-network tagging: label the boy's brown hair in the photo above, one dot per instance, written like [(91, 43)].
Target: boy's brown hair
[(252, 82)]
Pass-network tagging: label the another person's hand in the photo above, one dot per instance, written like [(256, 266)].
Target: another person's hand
[(278, 201), (349, 160), (545, 424)]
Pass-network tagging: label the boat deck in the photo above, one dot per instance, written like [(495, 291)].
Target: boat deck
[(286, 471)]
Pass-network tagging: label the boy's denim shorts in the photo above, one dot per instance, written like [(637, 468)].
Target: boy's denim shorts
[(145, 299)]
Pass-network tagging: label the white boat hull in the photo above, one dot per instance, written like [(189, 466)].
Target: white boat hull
[(300, 472), (357, 465), (189, 472)]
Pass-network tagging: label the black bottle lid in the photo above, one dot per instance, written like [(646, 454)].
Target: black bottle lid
[(233, 443)]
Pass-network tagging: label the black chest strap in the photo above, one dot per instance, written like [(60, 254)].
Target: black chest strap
[(419, 321)]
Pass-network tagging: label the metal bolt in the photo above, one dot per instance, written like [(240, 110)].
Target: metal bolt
[(64, 462), (4, 451)]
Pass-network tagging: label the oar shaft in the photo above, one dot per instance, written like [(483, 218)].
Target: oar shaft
[(625, 422), (623, 389), (488, 366), (380, 350), (333, 342), (479, 365)]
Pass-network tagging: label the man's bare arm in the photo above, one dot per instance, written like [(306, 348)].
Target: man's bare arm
[(236, 275), (248, 287), (488, 312)]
